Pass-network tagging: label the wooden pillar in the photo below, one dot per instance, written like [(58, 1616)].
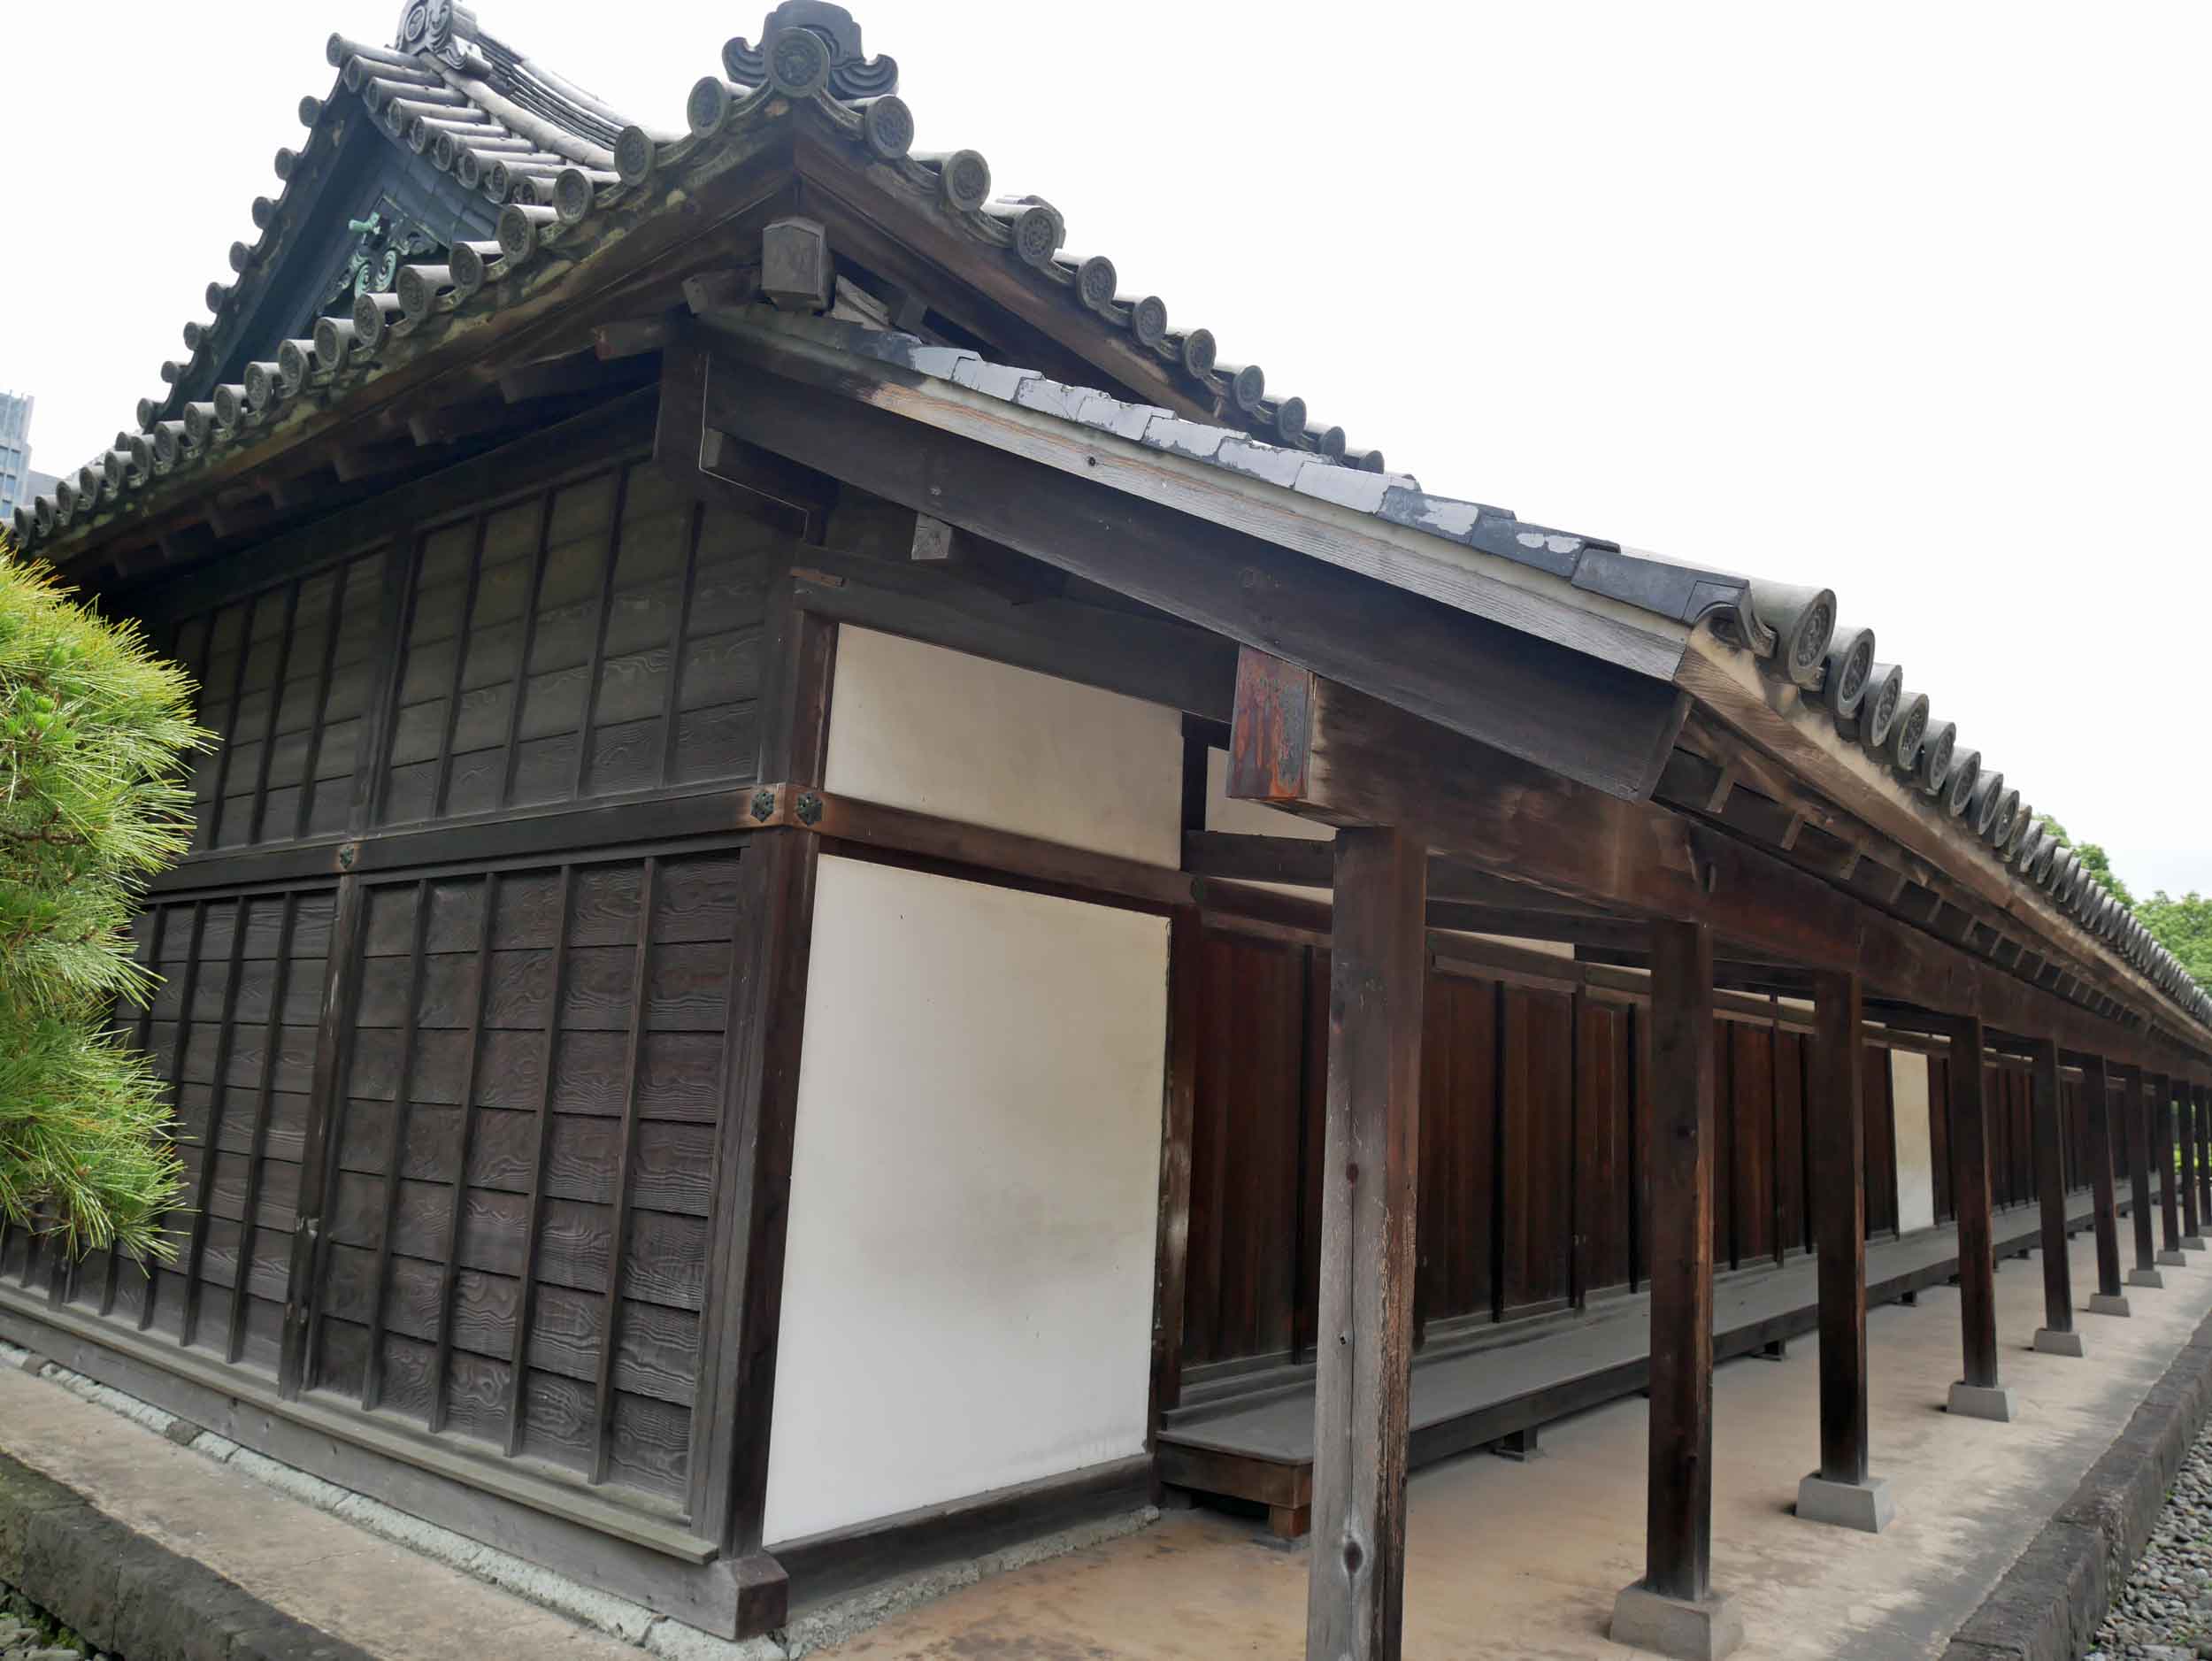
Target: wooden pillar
[(2203, 1096), (2096, 1102), (1171, 1262), (1979, 1393), (2185, 1112), (2162, 1112), (1673, 1609), (748, 1226), (2057, 1335), (1355, 1593), (1840, 1491), (2136, 1117)]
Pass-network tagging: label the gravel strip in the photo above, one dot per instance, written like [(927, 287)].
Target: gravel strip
[(28, 1632), (2164, 1613)]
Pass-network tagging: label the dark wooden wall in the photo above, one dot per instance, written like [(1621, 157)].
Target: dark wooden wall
[(507, 1126), (1532, 1170)]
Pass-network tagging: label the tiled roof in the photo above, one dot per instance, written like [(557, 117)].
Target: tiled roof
[(556, 161), (549, 158), (1793, 631)]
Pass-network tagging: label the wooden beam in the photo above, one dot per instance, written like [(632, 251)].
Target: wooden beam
[(1834, 1126), (1354, 1608), (1306, 862), (549, 377), (1678, 1507), (1969, 1190), (2050, 1184), (1157, 660), (1094, 516), (1310, 745), (762, 477), (1737, 700), (2096, 1099), (632, 337)]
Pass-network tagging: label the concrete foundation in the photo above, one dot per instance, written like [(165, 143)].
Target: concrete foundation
[(2146, 1277), (1866, 1506), (2100, 1304), (2173, 1257), (1702, 1631), (1976, 1401), (2058, 1343)]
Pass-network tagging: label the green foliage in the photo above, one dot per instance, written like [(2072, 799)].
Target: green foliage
[(2184, 927), (93, 729), (2095, 861)]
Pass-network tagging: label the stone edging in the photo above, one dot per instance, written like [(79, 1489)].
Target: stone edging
[(2051, 1602), (128, 1594)]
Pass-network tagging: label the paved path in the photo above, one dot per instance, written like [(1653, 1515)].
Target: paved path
[(316, 1567), (1523, 1560)]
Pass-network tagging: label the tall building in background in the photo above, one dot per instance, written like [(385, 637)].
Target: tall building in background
[(18, 482)]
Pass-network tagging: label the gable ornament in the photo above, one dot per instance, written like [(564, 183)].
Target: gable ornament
[(806, 45)]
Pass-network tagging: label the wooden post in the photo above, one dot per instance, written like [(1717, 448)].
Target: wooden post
[(1840, 1491), (1673, 1608), (1356, 1593), (2136, 1117), (2203, 1095), (1978, 1393), (2096, 1100), (1184, 967), (744, 1290), (2186, 1110), (2057, 1335), (2162, 1112)]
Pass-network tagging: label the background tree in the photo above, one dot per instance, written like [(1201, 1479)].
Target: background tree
[(2184, 927), (2095, 861), (94, 728)]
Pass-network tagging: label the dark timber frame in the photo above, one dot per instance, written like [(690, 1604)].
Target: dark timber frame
[(1541, 768), (1679, 1504), (1836, 1113), (1369, 1191)]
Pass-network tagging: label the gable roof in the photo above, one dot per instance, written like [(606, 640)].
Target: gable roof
[(517, 159), (520, 179)]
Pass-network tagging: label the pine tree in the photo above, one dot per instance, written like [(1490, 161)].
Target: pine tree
[(94, 728)]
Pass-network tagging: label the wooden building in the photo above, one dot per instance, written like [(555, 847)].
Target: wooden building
[(856, 899)]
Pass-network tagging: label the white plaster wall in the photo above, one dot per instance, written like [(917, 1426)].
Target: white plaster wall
[(1916, 1163), (967, 1296), (964, 738)]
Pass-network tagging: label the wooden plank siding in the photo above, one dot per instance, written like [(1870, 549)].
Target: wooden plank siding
[(1534, 1162), (505, 1126), (231, 1029), (524, 1146)]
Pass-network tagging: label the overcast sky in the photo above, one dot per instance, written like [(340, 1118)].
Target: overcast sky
[(1907, 300)]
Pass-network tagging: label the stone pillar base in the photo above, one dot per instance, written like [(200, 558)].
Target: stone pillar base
[(1704, 1631), (2146, 1277), (2059, 1344), (2101, 1303), (2173, 1257), (1866, 1506), (1978, 1401), (2192, 1243)]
